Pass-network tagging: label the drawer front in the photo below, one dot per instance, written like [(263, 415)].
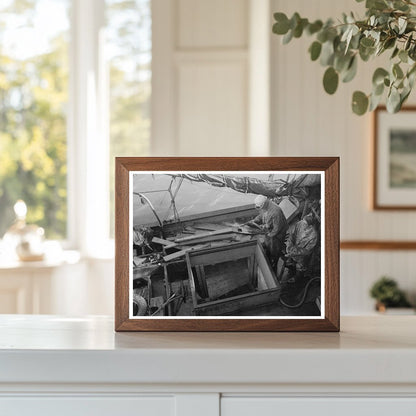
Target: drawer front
[(87, 406), (272, 406)]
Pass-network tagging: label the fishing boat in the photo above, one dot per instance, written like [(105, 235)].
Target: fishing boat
[(211, 263)]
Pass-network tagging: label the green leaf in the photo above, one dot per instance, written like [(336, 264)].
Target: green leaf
[(397, 71), (402, 24), (374, 101), (359, 103), (288, 37), (404, 96), (376, 4), (348, 34), (378, 89), (330, 80), (314, 27), (379, 75), (400, 5), (389, 43), (408, 42), (327, 53), (315, 50), (403, 56), (367, 42), (366, 53), (322, 36), (351, 71), (298, 30), (341, 61), (355, 41), (281, 27), (411, 76), (412, 52), (412, 70), (395, 52), (393, 101), (294, 20)]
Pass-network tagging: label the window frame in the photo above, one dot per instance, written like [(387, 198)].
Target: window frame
[(87, 133), (87, 128)]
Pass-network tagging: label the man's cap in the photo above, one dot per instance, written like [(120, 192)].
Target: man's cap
[(259, 201)]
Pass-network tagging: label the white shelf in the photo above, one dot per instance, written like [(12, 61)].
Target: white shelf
[(48, 349)]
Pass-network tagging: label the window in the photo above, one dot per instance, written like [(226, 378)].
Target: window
[(75, 87), (33, 98), (129, 46)]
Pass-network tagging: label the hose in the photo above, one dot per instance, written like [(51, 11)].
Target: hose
[(305, 292)]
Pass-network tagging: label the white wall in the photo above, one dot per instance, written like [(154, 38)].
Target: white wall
[(200, 77), (211, 72), (308, 122)]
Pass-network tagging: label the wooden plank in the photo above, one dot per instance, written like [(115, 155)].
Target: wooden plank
[(221, 254), (268, 275), (207, 239), (378, 245), (178, 246), (236, 228), (162, 241), (200, 235), (168, 289), (216, 216), (251, 261), (234, 305), (155, 304), (202, 283), (227, 277), (191, 281), (173, 256), (208, 226)]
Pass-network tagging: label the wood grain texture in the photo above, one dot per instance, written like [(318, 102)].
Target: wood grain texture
[(376, 205), (378, 245), (329, 165)]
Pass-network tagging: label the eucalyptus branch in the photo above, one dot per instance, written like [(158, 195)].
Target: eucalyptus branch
[(388, 25)]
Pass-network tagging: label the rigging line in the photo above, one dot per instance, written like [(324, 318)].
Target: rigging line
[(151, 207), (175, 210), (154, 191), (173, 196)]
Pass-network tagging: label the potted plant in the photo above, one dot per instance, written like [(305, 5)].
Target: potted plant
[(387, 294)]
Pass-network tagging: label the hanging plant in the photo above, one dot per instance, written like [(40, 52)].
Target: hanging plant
[(389, 27)]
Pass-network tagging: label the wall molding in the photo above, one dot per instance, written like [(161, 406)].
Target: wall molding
[(377, 245)]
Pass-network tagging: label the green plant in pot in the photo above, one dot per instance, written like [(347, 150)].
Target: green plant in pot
[(387, 294), (389, 27)]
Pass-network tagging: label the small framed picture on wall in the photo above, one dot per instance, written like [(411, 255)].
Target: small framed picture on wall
[(394, 150)]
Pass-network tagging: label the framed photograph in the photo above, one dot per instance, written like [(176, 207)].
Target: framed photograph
[(394, 179), (227, 244)]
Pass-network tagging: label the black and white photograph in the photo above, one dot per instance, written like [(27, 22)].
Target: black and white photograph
[(226, 244)]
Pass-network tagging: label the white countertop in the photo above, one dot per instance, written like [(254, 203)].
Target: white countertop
[(52, 349)]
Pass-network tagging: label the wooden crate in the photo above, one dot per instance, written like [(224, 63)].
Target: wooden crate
[(255, 272)]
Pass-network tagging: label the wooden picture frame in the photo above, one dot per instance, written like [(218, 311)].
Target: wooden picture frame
[(230, 309), (394, 146)]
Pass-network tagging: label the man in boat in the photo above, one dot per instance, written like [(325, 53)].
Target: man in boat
[(300, 246), (273, 223), (142, 237)]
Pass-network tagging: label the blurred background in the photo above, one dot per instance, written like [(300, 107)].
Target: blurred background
[(83, 81)]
